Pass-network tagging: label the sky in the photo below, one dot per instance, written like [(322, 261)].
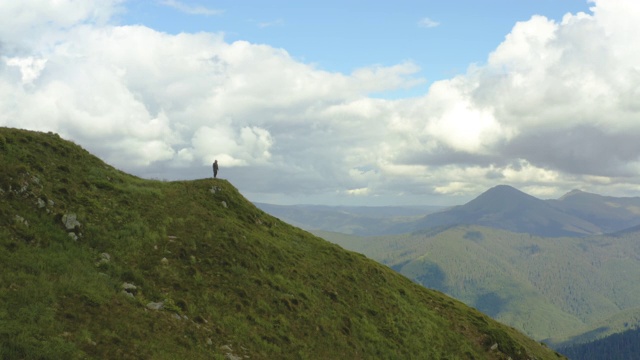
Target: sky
[(337, 102)]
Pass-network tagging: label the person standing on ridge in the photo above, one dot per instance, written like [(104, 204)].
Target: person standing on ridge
[(215, 169)]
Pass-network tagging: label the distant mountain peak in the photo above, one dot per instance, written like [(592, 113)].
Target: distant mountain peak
[(500, 195), (503, 189), (508, 208), (572, 193)]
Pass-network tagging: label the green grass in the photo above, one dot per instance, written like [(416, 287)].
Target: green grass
[(232, 278), (546, 287)]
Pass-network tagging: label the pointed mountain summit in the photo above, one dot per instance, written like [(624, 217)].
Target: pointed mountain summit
[(508, 208)]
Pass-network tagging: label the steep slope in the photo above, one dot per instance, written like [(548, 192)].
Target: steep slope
[(611, 214), (622, 321), (505, 207), (546, 287), (100, 264), (624, 345)]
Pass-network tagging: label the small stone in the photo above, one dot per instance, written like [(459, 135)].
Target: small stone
[(21, 220), (224, 204), (70, 221), (41, 203), (155, 305), (130, 288), (164, 261)]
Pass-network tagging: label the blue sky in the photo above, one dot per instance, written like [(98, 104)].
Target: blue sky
[(441, 37), (349, 103)]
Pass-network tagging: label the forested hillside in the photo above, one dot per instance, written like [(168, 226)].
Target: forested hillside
[(625, 345), (546, 287)]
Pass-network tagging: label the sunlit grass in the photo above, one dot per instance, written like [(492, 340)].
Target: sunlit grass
[(230, 279)]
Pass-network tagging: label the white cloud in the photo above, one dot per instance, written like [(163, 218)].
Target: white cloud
[(554, 107), (28, 25), (428, 23), (30, 67), (191, 9)]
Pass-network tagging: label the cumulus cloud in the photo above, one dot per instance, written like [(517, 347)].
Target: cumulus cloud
[(554, 107)]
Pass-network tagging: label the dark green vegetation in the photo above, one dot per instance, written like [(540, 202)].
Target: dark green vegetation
[(100, 264), (571, 288), (625, 345)]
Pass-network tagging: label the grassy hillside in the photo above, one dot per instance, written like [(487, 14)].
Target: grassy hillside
[(100, 264), (546, 287)]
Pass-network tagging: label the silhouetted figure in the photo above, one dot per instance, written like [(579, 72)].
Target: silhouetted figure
[(215, 169)]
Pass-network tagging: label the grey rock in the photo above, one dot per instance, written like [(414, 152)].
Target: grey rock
[(130, 288), (224, 203), (19, 219), (70, 221), (155, 305)]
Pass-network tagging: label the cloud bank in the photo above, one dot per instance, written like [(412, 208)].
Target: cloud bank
[(555, 106)]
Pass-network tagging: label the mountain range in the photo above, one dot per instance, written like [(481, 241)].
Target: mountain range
[(577, 213), (564, 271), (99, 264), (356, 220)]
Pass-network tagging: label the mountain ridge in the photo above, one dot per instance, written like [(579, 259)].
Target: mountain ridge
[(505, 207), (101, 264), (576, 213)]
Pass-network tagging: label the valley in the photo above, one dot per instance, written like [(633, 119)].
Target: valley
[(564, 271)]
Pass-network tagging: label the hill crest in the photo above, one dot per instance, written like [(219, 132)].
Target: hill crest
[(101, 264)]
